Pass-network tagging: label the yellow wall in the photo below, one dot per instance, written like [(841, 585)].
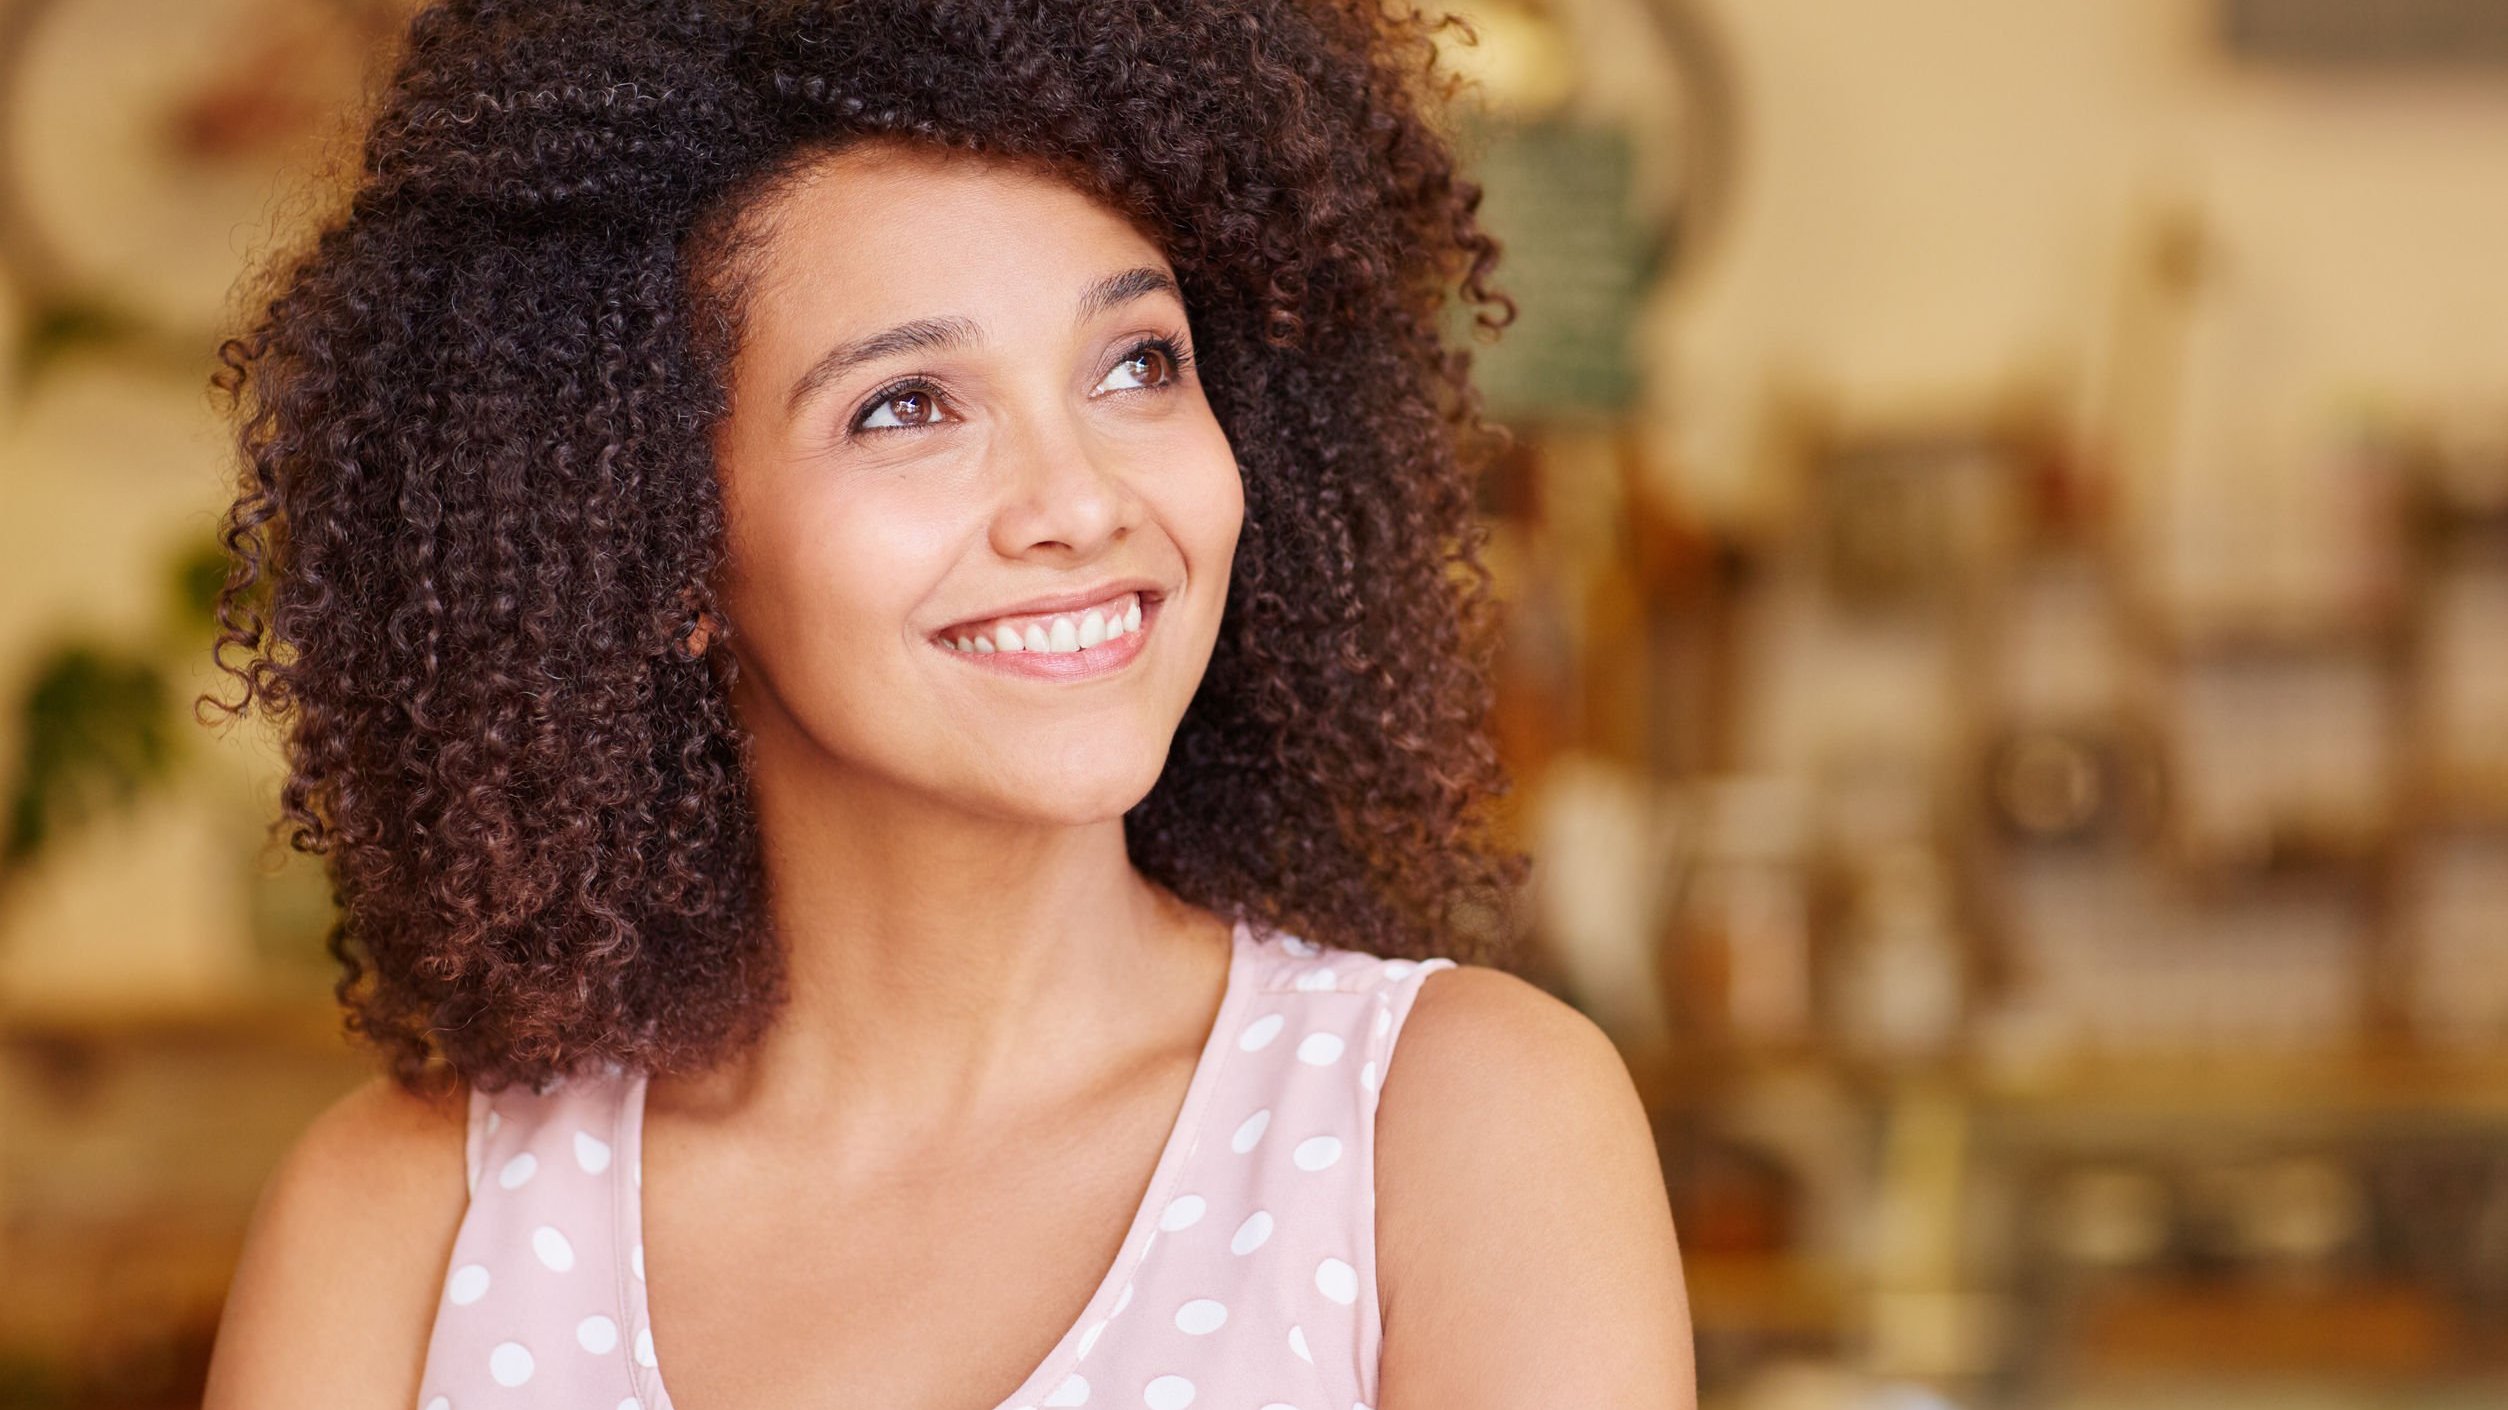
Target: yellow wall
[(1935, 194)]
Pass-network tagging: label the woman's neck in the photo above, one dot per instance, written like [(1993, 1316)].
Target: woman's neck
[(944, 965)]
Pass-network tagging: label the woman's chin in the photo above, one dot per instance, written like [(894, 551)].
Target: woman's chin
[(1072, 796)]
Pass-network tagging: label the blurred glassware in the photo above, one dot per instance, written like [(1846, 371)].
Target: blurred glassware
[(2110, 1217), (1901, 972)]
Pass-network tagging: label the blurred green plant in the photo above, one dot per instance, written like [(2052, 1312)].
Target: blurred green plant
[(95, 738), (97, 728), (57, 330)]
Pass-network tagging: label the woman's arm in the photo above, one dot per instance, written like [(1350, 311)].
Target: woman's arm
[(335, 1292), (1525, 1247)]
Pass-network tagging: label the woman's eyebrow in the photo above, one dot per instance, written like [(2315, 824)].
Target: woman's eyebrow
[(924, 334), (1123, 288)]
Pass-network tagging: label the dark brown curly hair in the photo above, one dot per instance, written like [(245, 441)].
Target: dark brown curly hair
[(477, 508)]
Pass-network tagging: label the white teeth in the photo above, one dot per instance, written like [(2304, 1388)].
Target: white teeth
[(1058, 635)]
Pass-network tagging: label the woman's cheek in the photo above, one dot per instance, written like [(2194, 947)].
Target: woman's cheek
[(881, 553), (1218, 511)]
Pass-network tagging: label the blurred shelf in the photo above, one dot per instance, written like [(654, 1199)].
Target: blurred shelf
[(1772, 1295), (2344, 851), (2463, 796), (2185, 635), (1681, 1076), (2249, 1085), (268, 1016), (2384, 1330), (2367, 1081), (2197, 1391)]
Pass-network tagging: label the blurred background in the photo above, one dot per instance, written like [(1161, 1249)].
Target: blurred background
[(2007, 551)]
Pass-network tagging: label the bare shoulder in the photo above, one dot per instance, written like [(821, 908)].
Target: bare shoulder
[(335, 1291), (1525, 1248)]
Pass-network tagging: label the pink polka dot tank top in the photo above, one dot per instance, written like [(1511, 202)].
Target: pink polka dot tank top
[(1246, 1281)]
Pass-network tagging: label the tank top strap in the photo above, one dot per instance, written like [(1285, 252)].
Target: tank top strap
[(1280, 1184), (534, 1297)]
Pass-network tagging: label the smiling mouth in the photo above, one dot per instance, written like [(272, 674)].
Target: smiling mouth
[(1090, 628)]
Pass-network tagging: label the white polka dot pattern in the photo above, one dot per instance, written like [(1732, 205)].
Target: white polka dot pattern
[(596, 1334), (468, 1284), (1253, 1248)]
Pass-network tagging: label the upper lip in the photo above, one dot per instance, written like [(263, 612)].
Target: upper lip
[(1063, 601)]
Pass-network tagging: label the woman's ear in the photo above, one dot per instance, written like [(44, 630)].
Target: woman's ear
[(693, 641), (699, 629)]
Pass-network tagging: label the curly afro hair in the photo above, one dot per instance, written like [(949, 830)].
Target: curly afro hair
[(477, 508)]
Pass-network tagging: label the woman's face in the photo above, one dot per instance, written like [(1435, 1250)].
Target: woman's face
[(980, 515)]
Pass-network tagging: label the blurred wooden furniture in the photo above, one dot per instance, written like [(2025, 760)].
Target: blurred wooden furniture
[(132, 1149)]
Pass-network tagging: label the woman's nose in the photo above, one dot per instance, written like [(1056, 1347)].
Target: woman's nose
[(1063, 494)]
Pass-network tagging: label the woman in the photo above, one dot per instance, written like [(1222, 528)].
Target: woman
[(880, 617)]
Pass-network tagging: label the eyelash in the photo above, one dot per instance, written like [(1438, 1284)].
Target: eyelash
[(1179, 360)]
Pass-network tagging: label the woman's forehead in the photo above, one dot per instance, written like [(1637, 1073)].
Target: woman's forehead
[(889, 238), (888, 193)]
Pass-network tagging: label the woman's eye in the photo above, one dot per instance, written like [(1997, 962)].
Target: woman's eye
[(1144, 357), (1154, 365), (916, 400)]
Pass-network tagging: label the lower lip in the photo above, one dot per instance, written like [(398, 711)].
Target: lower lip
[(1106, 658)]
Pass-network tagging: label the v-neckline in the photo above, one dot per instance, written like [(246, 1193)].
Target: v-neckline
[(627, 1177)]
